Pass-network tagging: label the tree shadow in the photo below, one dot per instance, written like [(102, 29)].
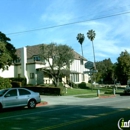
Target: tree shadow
[(72, 116)]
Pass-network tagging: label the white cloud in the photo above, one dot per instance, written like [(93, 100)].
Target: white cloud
[(57, 18)]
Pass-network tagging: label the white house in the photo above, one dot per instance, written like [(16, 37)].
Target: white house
[(30, 67)]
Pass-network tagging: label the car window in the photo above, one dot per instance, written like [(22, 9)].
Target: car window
[(2, 92), (11, 93), (23, 92)]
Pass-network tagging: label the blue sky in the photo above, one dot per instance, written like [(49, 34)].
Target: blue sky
[(112, 33)]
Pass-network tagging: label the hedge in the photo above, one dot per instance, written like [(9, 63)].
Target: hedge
[(22, 80), (5, 83), (16, 84), (47, 90)]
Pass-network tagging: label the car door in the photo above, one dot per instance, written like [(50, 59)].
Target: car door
[(24, 96), (10, 99)]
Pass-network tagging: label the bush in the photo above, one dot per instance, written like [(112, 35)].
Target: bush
[(82, 85), (72, 84), (61, 84), (5, 83), (22, 80)]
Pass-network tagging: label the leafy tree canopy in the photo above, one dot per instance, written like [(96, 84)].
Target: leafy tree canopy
[(59, 57), (80, 38), (123, 67), (7, 52), (105, 71)]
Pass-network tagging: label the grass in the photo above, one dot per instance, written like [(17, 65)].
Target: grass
[(88, 93), (78, 91)]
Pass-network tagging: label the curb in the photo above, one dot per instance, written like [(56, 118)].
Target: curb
[(41, 104), (110, 96)]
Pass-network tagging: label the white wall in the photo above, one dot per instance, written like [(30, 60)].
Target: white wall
[(31, 69), (77, 67), (7, 73)]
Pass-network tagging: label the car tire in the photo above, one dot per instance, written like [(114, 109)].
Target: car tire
[(32, 103), (0, 106)]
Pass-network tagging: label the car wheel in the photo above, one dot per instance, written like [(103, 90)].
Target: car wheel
[(32, 103), (0, 106)]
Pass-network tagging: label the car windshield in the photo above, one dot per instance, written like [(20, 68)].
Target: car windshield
[(2, 92)]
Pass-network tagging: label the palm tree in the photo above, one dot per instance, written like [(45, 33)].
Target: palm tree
[(80, 38), (91, 35)]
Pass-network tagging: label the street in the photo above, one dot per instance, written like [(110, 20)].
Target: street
[(78, 114)]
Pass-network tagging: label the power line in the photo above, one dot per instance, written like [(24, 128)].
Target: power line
[(38, 29)]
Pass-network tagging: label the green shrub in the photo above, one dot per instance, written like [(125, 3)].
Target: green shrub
[(5, 83), (22, 80), (72, 84), (82, 85), (60, 84)]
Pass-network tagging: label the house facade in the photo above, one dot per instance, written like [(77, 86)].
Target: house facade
[(31, 67)]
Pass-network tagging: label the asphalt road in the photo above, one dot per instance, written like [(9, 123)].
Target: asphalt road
[(68, 113)]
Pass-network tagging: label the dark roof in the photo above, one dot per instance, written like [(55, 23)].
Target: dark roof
[(34, 50)]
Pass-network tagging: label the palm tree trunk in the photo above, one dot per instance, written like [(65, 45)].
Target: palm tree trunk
[(94, 55), (82, 50), (94, 60)]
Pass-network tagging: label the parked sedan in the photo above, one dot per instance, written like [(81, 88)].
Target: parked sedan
[(17, 97)]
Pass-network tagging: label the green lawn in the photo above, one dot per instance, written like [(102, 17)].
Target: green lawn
[(91, 93)]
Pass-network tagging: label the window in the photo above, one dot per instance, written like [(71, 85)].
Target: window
[(36, 58), (74, 77), (17, 60), (31, 75), (12, 93), (23, 92)]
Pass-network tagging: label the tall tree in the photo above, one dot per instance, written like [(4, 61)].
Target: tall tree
[(80, 38), (91, 35), (7, 52), (105, 71), (58, 57), (123, 67)]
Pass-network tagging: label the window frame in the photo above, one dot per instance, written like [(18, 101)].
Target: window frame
[(32, 76)]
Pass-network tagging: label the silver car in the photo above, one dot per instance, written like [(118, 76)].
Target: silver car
[(17, 97)]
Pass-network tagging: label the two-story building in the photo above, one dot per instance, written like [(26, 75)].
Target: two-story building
[(31, 67)]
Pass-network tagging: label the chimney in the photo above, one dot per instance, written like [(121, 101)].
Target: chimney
[(23, 63)]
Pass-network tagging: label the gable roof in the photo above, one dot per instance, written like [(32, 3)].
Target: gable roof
[(35, 49)]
